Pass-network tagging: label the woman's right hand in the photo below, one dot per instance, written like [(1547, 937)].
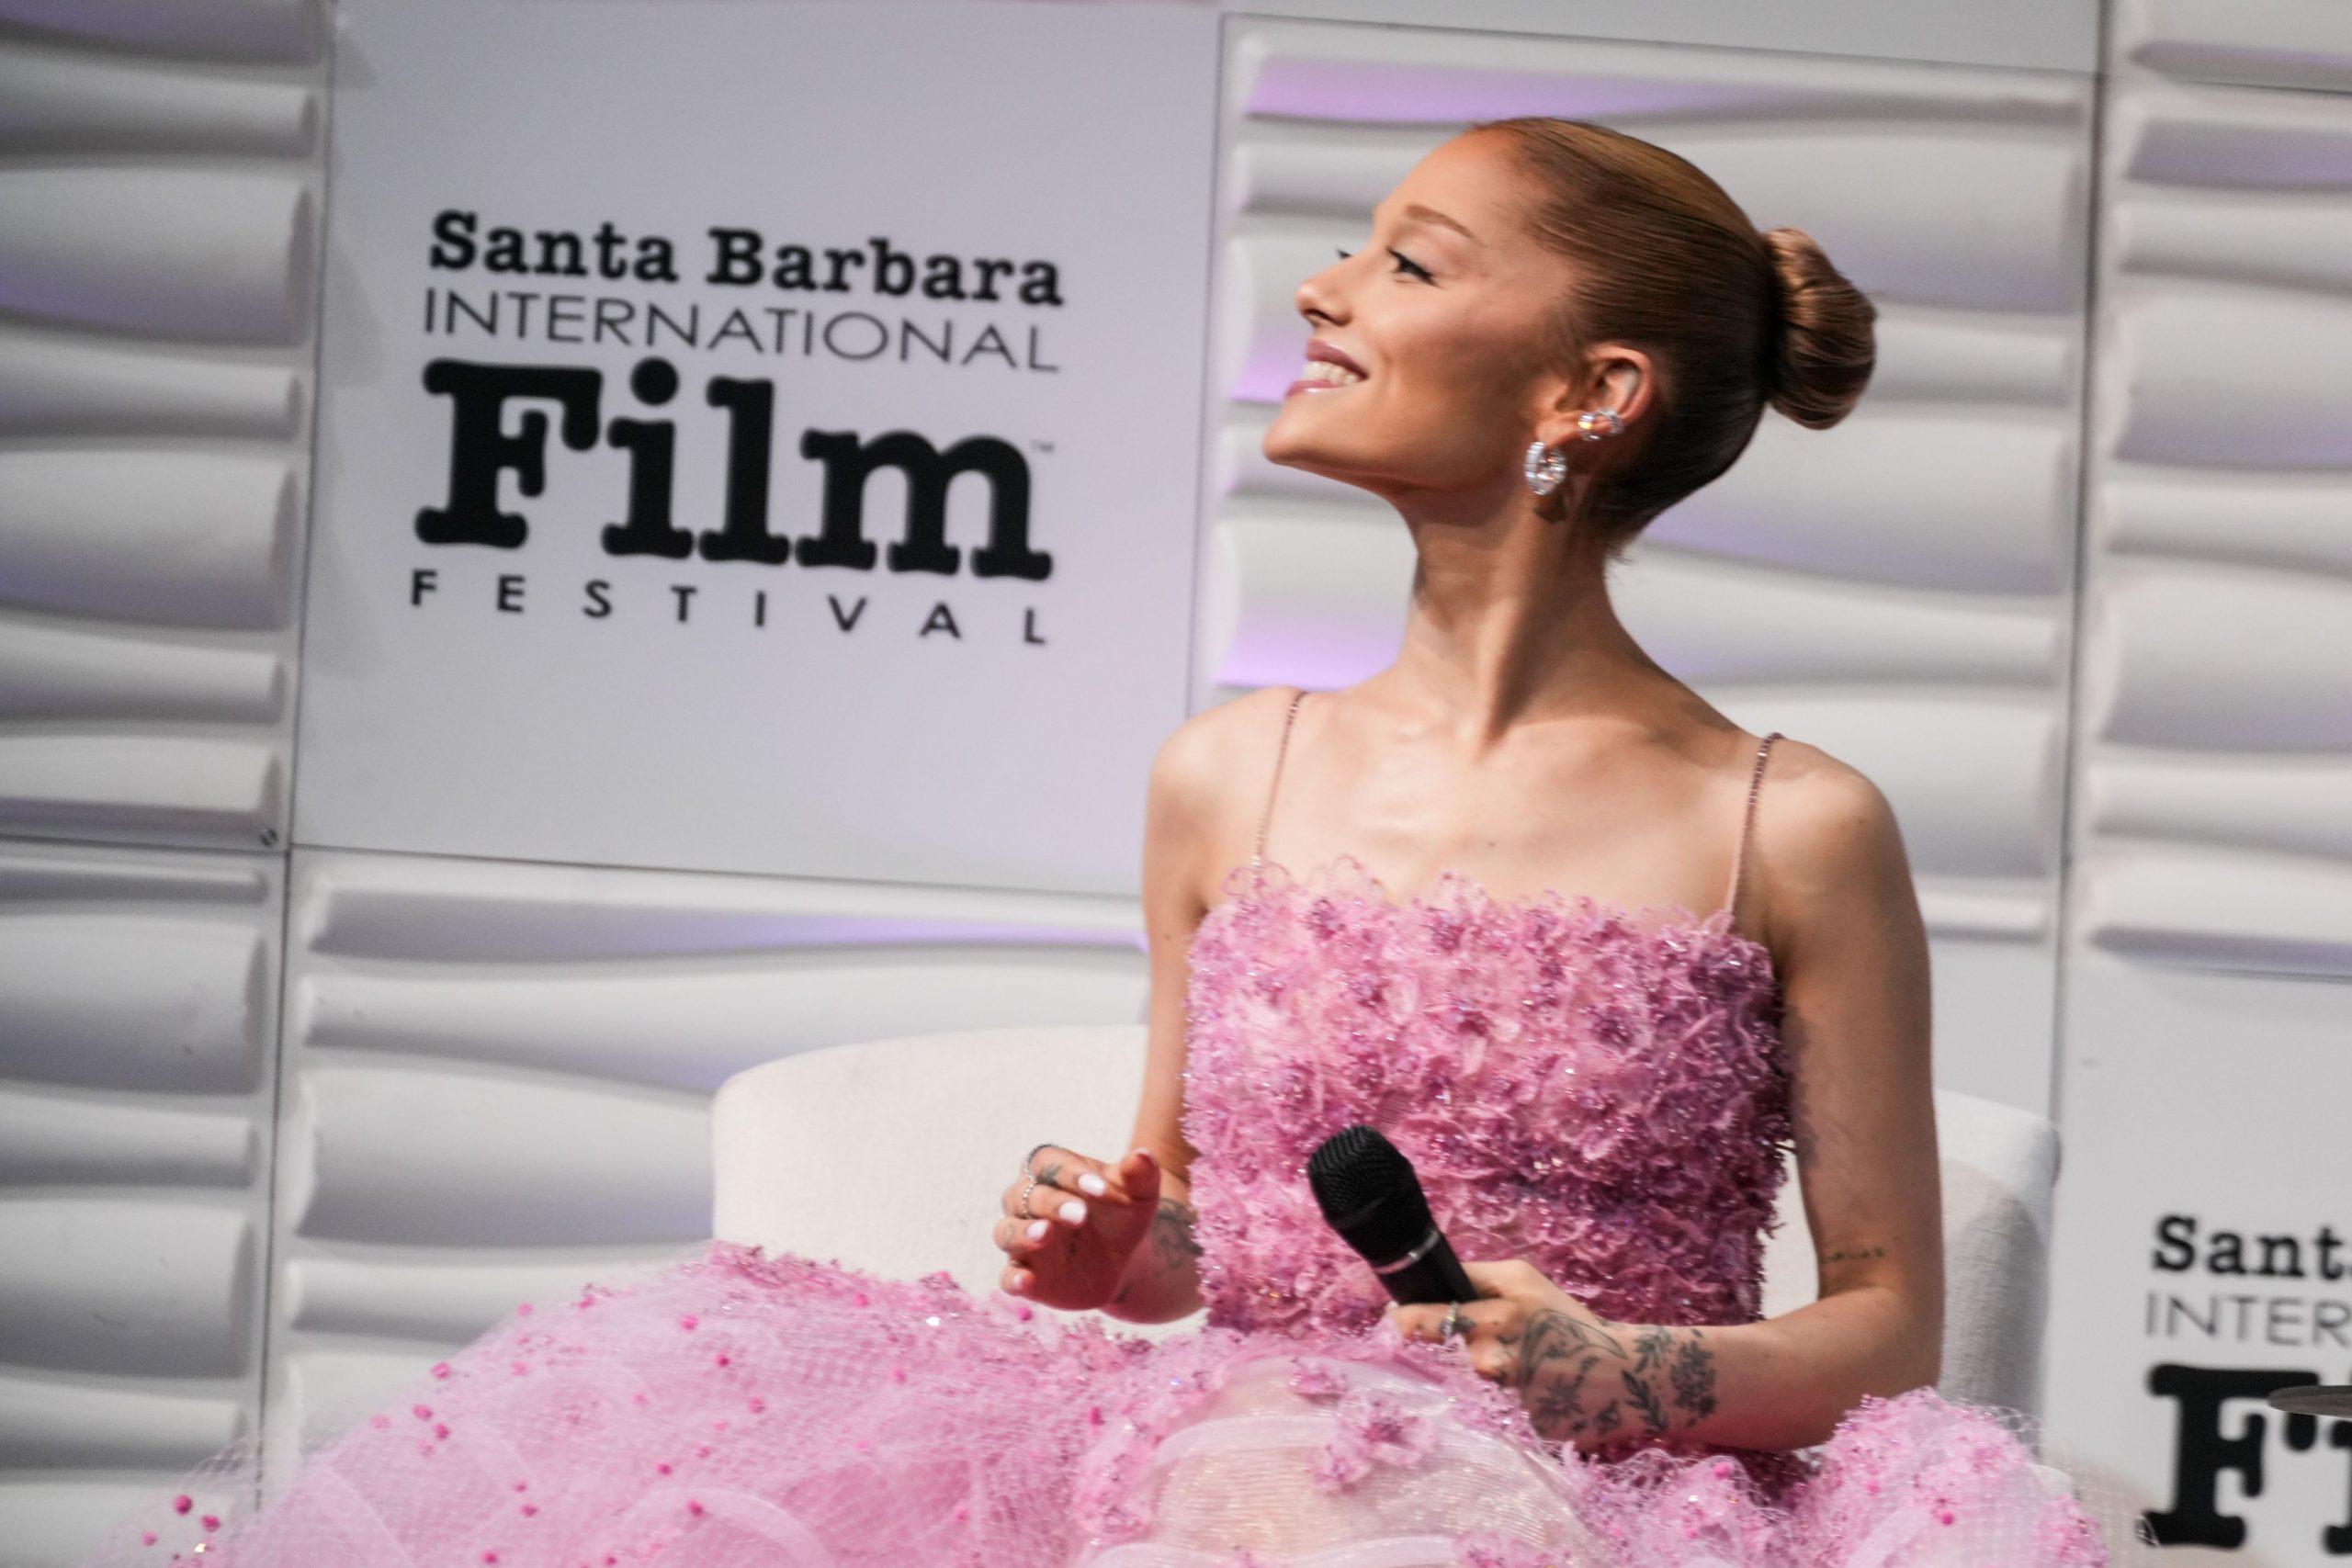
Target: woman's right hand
[(1083, 1223)]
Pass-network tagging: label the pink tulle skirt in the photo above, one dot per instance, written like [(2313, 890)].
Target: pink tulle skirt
[(746, 1411)]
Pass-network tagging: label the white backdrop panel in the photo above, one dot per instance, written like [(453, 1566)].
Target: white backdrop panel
[(140, 989), (664, 617), (2201, 1228)]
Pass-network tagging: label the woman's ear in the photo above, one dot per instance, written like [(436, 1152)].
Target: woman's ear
[(1628, 387), (1620, 380)]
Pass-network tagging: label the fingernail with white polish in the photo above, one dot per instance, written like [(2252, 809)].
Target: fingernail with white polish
[(1074, 1212), (1092, 1185), (1036, 1229)]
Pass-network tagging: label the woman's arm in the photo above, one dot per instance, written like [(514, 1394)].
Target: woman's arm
[(1851, 950), (1161, 1282), (1133, 1255)]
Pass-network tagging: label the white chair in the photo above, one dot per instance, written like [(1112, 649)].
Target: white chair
[(889, 1154)]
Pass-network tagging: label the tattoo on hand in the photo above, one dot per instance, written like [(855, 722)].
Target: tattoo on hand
[(1552, 1338), (1645, 1400), (1667, 1376), (1693, 1376), (1559, 1400), (1172, 1234)]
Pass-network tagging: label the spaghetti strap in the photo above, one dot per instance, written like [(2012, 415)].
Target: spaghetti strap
[(1746, 826), (1258, 860)]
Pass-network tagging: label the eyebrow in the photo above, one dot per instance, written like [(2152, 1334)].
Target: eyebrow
[(1432, 215)]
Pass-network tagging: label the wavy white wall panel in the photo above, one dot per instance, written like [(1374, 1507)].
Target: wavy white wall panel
[(217, 255), (50, 672), (158, 225), (155, 1289), (2294, 522), (394, 1158), (56, 383), (2196, 654), (165, 787), (1905, 580), (47, 1136), (2215, 716), (46, 1426), (2295, 806), (278, 31), (178, 1001), (1606, 78), (497, 1075), (2265, 404), (2209, 930), (2061, 37), (168, 538), (159, 187), (141, 991), (64, 100), (2209, 909), (2268, 43)]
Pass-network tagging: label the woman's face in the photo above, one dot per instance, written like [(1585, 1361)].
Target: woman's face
[(1446, 315)]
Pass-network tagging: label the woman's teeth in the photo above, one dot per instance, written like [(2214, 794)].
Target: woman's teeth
[(1324, 370)]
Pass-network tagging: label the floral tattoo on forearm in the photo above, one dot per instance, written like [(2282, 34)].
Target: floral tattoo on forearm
[(1581, 1377)]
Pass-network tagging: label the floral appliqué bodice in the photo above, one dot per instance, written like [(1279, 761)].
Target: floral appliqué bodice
[(1601, 1093)]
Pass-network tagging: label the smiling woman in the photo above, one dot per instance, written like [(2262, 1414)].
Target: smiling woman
[(1558, 332)]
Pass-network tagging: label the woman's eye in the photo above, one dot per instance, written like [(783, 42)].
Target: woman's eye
[(1404, 263)]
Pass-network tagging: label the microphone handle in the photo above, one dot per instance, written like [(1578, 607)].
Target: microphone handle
[(1428, 1273)]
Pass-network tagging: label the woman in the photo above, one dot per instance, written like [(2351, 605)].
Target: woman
[(1558, 332)]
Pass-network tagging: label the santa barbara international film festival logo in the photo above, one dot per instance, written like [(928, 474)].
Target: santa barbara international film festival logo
[(604, 289), (2235, 1314)]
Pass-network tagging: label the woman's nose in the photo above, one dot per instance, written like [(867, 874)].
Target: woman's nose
[(1320, 298)]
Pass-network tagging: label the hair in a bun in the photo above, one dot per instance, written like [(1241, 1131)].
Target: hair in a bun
[(1734, 319), (1824, 348)]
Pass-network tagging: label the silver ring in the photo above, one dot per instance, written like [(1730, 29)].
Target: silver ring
[(1452, 1324)]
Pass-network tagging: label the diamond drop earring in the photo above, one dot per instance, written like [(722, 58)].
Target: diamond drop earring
[(1546, 466)]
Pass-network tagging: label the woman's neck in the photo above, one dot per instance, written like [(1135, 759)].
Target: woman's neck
[(1511, 620)]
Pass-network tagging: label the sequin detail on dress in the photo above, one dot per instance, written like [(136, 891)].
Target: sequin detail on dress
[(1601, 1095)]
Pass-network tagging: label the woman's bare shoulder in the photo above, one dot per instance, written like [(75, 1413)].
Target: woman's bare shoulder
[(1824, 833), (1207, 781), (1222, 749)]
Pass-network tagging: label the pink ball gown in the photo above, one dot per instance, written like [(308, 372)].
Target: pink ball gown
[(1603, 1096)]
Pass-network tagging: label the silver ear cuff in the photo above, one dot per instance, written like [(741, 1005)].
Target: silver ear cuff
[(1547, 465)]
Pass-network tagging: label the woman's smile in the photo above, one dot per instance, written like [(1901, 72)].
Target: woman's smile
[(1326, 369)]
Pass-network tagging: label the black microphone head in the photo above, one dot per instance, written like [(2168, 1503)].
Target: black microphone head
[(1369, 1193)]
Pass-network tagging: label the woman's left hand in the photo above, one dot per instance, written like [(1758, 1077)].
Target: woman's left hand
[(1582, 1377)]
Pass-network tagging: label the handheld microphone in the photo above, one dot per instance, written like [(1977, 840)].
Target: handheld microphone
[(1369, 1193)]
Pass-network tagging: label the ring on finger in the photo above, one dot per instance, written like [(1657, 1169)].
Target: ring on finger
[(1452, 1324), (1032, 1186)]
